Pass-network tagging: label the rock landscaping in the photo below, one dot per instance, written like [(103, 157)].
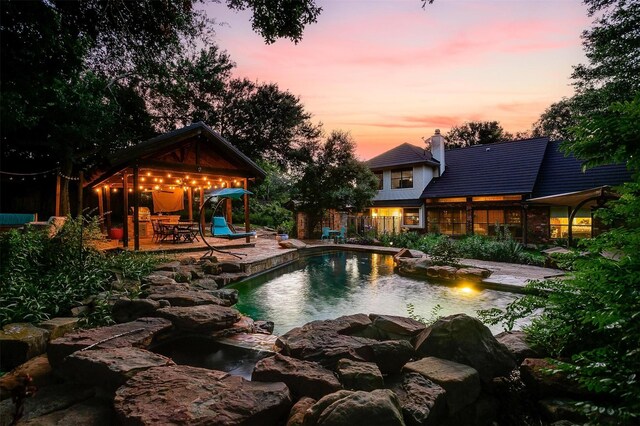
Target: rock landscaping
[(356, 369), (423, 267)]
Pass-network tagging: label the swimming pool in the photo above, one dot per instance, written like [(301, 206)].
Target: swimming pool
[(342, 283)]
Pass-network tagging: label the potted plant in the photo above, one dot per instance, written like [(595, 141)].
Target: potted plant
[(282, 230)]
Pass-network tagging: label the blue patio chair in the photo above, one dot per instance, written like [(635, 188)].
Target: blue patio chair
[(342, 237), (220, 229), (325, 233)]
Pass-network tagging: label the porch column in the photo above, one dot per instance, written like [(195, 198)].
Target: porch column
[(136, 208), (190, 201), (228, 208), (107, 191), (200, 204), (100, 191), (525, 225), (469, 212), (125, 211), (247, 225)]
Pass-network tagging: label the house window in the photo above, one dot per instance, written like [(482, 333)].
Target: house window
[(379, 175), (402, 178), (411, 217), (447, 221), (559, 223), (485, 220)]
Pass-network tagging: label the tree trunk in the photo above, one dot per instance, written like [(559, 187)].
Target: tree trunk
[(65, 169)]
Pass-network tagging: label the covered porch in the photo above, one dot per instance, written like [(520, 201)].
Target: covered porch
[(575, 211), (166, 171)]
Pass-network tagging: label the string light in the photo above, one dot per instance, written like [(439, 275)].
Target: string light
[(141, 179), (148, 173), (130, 189), (156, 187), (169, 175)]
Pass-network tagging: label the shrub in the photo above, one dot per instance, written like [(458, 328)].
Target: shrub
[(42, 277)]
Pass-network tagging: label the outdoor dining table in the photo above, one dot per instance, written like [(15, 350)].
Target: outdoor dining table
[(186, 232)]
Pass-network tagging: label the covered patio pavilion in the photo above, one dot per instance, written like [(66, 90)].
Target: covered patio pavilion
[(589, 198), (193, 159)]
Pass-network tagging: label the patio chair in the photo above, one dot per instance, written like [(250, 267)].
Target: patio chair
[(342, 237), (325, 233), (220, 229)]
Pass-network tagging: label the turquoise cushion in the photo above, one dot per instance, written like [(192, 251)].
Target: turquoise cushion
[(10, 219)]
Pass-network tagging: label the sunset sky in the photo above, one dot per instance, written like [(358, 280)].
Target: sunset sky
[(390, 72)]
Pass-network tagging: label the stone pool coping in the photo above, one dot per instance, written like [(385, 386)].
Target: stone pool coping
[(267, 256)]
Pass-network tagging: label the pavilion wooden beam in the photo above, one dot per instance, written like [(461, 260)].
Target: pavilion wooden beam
[(101, 208), (136, 209), (190, 201), (186, 168), (202, 219), (228, 208), (125, 212), (247, 225), (107, 218)]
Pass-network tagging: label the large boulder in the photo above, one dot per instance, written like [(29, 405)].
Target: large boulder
[(466, 340), (413, 266), (46, 400), (156, 279), (172, 266), (304, 378), (543, 381), (37, 369), (292, 243), (187, 298), (516, 344), (355, 375), (346, 408), (125, 309), (186, 395), (200, 318), (59, 326), (140, 334), (95, 412), (396, 327), (422, 401), (298, 411), (19, 343), (461, 382), (329, 341), (109, 368)]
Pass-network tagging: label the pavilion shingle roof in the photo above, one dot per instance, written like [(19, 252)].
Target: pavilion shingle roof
[(561, 174), (498, 168), (402, 155)]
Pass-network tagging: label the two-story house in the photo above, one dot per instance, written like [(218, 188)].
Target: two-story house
[(528, 186)]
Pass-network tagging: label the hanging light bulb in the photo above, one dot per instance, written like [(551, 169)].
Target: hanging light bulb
[(148, 173), (115, 189), (156, 187), (193, 182), (168, 175), (141, 187), (98, 190), (141, 179), (130, 189)]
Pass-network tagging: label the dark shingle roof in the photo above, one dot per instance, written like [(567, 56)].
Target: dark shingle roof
[(498, 168), (402, 155), (560, 174)]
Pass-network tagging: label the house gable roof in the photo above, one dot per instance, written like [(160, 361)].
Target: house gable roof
[(402, 155), (497, 168), (561, 174)]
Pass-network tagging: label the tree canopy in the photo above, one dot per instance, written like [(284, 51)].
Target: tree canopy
[(328, 175), (476, 133), (81, 79)]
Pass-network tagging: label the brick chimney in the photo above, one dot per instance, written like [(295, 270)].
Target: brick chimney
[(436, 143)]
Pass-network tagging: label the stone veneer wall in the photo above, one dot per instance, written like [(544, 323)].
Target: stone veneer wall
[(537, 224)]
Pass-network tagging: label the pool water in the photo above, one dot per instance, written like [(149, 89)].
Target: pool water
[(342, 283)]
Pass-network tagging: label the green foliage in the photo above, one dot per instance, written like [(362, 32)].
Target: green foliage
[(445, 250), (476, 133), (329, 176), (42, 277), (274, 19), (433, 317)]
